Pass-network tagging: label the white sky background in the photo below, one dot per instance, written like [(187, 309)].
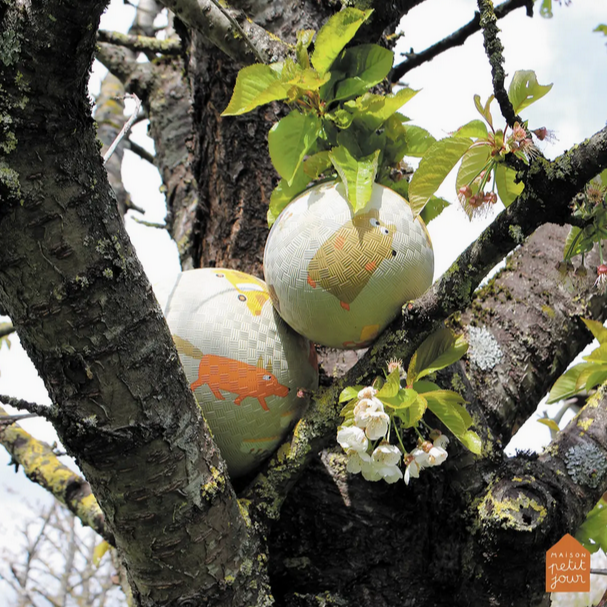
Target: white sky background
[(562, 50)]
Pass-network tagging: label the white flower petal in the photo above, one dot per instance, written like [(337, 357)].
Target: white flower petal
[(368, 392), (389, 455), (377, 426), (352, 438), (442, 441)]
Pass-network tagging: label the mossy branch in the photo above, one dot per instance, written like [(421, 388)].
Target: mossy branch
[(494, 49), (229, 30), (143, 44), (43, 467), (457, 38)]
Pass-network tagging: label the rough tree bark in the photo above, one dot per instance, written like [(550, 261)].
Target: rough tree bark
[(302, 532)]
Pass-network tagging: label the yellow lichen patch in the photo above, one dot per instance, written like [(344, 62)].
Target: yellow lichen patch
[(243, 506), (508, 512), (585, 424), (215, 486), (284, 452)]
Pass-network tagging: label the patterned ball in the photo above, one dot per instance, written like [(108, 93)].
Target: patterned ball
[(244, 363), (339, 278)]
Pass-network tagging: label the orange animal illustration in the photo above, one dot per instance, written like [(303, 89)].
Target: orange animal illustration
[(250, 289), (222, 373), (346, 261)]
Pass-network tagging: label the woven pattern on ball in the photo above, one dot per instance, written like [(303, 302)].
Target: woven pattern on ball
[(340, 279), (244, 364)]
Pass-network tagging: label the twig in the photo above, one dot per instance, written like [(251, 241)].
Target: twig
[(11, 419), (150, 224), (35, 409), (141, 151), (457, 38), (493, 49), (125, 128), (143, 44)]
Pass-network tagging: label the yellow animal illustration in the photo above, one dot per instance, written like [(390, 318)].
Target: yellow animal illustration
[(250, 289), (345, 262)]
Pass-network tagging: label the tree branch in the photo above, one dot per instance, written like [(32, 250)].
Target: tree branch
[(494, 48), (141, 44), (43, 467), (457, 38), (229, 30), (49, 413), (141, 152)]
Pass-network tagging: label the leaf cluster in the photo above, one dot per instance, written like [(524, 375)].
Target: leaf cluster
[(407, 405), (584, 376), (592, 209), (482, 152), (337, 128)]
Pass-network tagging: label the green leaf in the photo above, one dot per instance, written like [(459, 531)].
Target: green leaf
[(349, 393), (525, 90), (448, 407), (566, 385), (289, 141), (601, 28), (317, 164), (433, 168), (419, 141), (402, 399), (507, 189), (578, 241), (597, 329), (438, 351), (396, 141), (283, 193), (484, 111), (434, 207), (373, 110), (412, 414), (308, 80), (425, 386), (550, 423), (599, 355), (357, 176), (474, 128), (255, 85), (593, 531), (400, 187), (304, 39), (334, 35), (474, 160), (546, 9), (391, 387), (365, 66), (472, 441), (596, 377)]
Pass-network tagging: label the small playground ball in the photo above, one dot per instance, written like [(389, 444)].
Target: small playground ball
[(245, 365), (340, 278)]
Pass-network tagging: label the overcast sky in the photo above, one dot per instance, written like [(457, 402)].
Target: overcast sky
[(562, 50)]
